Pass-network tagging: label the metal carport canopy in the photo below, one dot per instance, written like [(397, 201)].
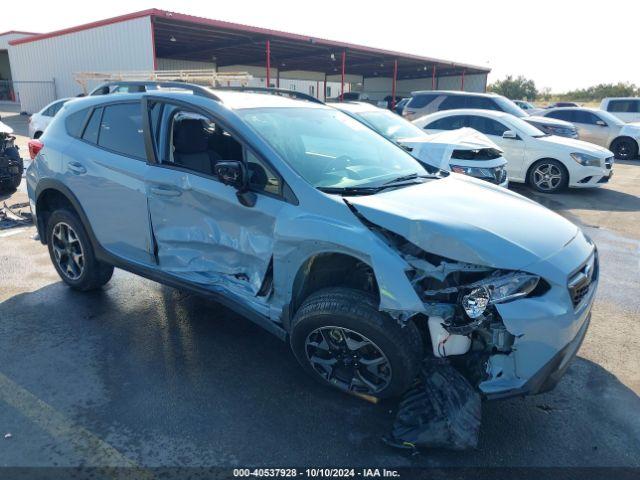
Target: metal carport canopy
[(226, 43)]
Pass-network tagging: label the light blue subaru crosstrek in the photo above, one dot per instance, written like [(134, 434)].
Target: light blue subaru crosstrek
[(319, 229)]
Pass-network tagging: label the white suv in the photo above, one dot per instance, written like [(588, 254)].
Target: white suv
[(626, 109)]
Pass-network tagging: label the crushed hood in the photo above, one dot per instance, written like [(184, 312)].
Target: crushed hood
[(436, 149), (469, 220)]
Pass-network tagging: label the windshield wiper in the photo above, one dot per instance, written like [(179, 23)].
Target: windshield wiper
[(411, 176), (351, 190)]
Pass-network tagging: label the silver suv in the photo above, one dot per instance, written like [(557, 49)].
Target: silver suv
[(319, 229), (430, 101)]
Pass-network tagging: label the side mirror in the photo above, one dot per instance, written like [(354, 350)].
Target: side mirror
[(601, 123), (510, 134), (234, 173)]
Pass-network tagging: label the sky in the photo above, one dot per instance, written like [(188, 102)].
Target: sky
[(560, 44)]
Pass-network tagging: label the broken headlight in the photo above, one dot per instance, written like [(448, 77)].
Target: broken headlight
[(496, 290)]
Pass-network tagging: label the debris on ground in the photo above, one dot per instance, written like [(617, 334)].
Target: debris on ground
[(441, 411), (16, 215)]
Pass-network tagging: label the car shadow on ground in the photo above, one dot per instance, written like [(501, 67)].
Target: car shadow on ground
[(170, 378), (601, 199)]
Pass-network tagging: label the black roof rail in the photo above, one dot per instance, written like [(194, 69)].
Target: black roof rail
[(274, 91), (195, 89)]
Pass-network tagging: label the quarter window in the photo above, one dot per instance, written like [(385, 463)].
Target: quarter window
[(121, 130), (93, 127), (75, 122)]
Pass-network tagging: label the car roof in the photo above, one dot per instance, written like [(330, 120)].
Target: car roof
[(235, 100), (621, 98), (455, 92), (572, 109)]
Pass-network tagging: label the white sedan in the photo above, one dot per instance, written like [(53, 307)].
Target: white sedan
[(39, 121), (548, 163)]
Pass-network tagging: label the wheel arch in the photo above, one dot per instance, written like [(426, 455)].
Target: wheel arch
[(321, 270), (52, 194)]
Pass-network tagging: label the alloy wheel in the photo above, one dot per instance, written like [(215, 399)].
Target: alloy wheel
[(67, 251), (547, 176), (348, 360)]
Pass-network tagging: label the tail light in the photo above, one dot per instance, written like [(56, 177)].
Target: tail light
[(34, 148)]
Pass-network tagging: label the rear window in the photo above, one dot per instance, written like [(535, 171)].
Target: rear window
[(121, 130), (421, 100), (624, 106), (75, 122)]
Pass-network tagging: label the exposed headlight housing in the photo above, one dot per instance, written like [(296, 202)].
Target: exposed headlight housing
[(586, 160), (496, 290)]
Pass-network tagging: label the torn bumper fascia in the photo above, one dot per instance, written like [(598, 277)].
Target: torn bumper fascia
[(548, 329)]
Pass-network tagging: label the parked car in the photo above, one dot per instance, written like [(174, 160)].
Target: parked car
[(39, 121), (562, 104), (320, 230), (462, 151), (400, 105), (528, 107), (547, 163), (424, 103), (626, 109), (602, 128), (11, 165)]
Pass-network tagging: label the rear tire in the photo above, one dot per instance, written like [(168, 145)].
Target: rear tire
[(624, 148), (548, 176), (72, 254), (341, 338)]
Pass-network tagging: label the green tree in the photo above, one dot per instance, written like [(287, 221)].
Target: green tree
[(598, 92), (518, 88)]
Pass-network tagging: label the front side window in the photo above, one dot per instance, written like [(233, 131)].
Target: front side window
[(196, 143), (121, 130), (586, 118), (330, 149)]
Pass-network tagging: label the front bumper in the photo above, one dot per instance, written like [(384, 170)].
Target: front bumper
[(548, 330), (594, 176)]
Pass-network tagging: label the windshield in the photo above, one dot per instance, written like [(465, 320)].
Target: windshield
[(609, 118), (391, 125), (329, 148), (508, 106)]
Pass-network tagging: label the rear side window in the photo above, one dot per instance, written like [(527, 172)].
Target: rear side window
[(562, 115), (421, 100), (624, 106), (448, 123), (454, 102), (482, 103), (121, 130), (75, 122)]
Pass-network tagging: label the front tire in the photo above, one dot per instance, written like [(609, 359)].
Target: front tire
[(624, 148), (72, 253), (341, 338), (548, 176)]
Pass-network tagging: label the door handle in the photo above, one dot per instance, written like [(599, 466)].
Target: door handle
[(77, 168), (166, 191)]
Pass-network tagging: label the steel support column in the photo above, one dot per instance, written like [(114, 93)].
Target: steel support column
[(268, 63), (393, 84), (344, 61)]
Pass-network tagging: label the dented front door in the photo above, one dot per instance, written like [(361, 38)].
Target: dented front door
[(204, 235)]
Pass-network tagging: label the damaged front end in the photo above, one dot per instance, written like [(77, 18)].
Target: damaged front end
[(471, 321)]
